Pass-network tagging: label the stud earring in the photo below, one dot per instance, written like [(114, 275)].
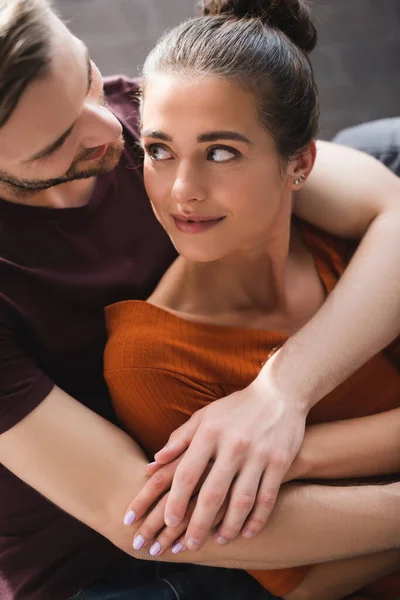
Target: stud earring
[(299, 179)]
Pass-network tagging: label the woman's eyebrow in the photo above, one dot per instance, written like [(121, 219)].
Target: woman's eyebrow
[(211, 136), (158, 135), (214, 136)]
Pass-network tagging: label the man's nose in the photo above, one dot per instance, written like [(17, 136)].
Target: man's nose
[(100, 126)]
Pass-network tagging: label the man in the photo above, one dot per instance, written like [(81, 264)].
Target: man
[(77, 233)]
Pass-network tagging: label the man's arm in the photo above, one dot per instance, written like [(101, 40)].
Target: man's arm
[(91, 469), (76, 459), (346, 190), (348, 194)]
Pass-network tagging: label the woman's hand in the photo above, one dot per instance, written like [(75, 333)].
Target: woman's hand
[(152, 533), (253, 437)]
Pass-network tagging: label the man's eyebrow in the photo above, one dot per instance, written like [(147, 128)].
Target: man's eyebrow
[(51, 148), (89, 68), (212, 136)]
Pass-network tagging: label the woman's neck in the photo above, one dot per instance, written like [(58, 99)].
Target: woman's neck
[(249, 280), (274, 287), (256, 279)]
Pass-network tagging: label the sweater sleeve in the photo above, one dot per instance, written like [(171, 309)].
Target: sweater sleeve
[(23, 386)]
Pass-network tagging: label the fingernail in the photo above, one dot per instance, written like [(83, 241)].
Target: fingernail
[(138, 542), (155, 549), (178, 548), (248, 534), (172, 521), (129, 518), (151, 464), (193, 544), (221, 540)]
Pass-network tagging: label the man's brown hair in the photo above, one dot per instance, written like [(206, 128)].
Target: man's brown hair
[(24, 49)]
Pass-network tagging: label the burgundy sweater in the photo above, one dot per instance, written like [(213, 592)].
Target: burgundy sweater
[(59, 268)]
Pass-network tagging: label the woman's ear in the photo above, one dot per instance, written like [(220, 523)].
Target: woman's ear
[(301, 166)]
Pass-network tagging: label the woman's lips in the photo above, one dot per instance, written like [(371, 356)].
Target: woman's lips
[(186, 225), (97, 153)]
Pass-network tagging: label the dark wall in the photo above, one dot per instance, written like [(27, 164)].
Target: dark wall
[(357, 63)]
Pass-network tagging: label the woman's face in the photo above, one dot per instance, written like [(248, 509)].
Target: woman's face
[(213, 175)]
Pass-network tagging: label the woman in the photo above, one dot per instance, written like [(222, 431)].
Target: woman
[(223, 158)]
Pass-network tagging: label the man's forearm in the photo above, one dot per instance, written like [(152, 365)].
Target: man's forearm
[(81, 462), (310, 524), (92, 470), (362, 314)]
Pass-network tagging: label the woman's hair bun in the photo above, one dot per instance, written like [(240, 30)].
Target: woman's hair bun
[(290, 16)]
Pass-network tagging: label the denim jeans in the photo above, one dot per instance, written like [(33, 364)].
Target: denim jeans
[(141, 580)]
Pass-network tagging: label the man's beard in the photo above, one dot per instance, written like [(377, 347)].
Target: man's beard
[(105, 164)]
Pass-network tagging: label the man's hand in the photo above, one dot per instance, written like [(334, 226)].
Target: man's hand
[(253, 437)]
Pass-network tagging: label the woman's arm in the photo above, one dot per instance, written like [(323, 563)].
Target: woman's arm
[(352, 448), (91, 469), (310, 524)]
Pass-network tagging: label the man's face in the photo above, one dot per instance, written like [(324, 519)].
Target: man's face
[(61, 129)]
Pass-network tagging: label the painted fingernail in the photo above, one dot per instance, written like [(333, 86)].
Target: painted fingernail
[(178, 548), (221, 540), (172, 521), (193, 544), (129, 518), (248, 534), (138, 542), (155, 549)]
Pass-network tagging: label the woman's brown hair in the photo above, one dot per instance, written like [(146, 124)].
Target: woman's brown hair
[(261, 45)]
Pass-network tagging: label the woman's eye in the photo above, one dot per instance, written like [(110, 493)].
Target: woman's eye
[(157, 152), (222, 154)]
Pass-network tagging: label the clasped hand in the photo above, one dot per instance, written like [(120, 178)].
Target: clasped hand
[(223, 467)]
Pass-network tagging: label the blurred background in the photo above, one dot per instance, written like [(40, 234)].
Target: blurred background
[(357, 63)]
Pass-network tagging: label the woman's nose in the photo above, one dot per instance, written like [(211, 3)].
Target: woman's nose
[(188, 188)]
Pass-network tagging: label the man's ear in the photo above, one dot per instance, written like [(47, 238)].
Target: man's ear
[(301, 166)]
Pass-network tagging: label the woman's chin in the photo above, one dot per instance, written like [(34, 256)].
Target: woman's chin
[(197, 254)]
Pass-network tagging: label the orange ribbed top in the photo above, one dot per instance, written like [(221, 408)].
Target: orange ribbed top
[(160, 369)]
